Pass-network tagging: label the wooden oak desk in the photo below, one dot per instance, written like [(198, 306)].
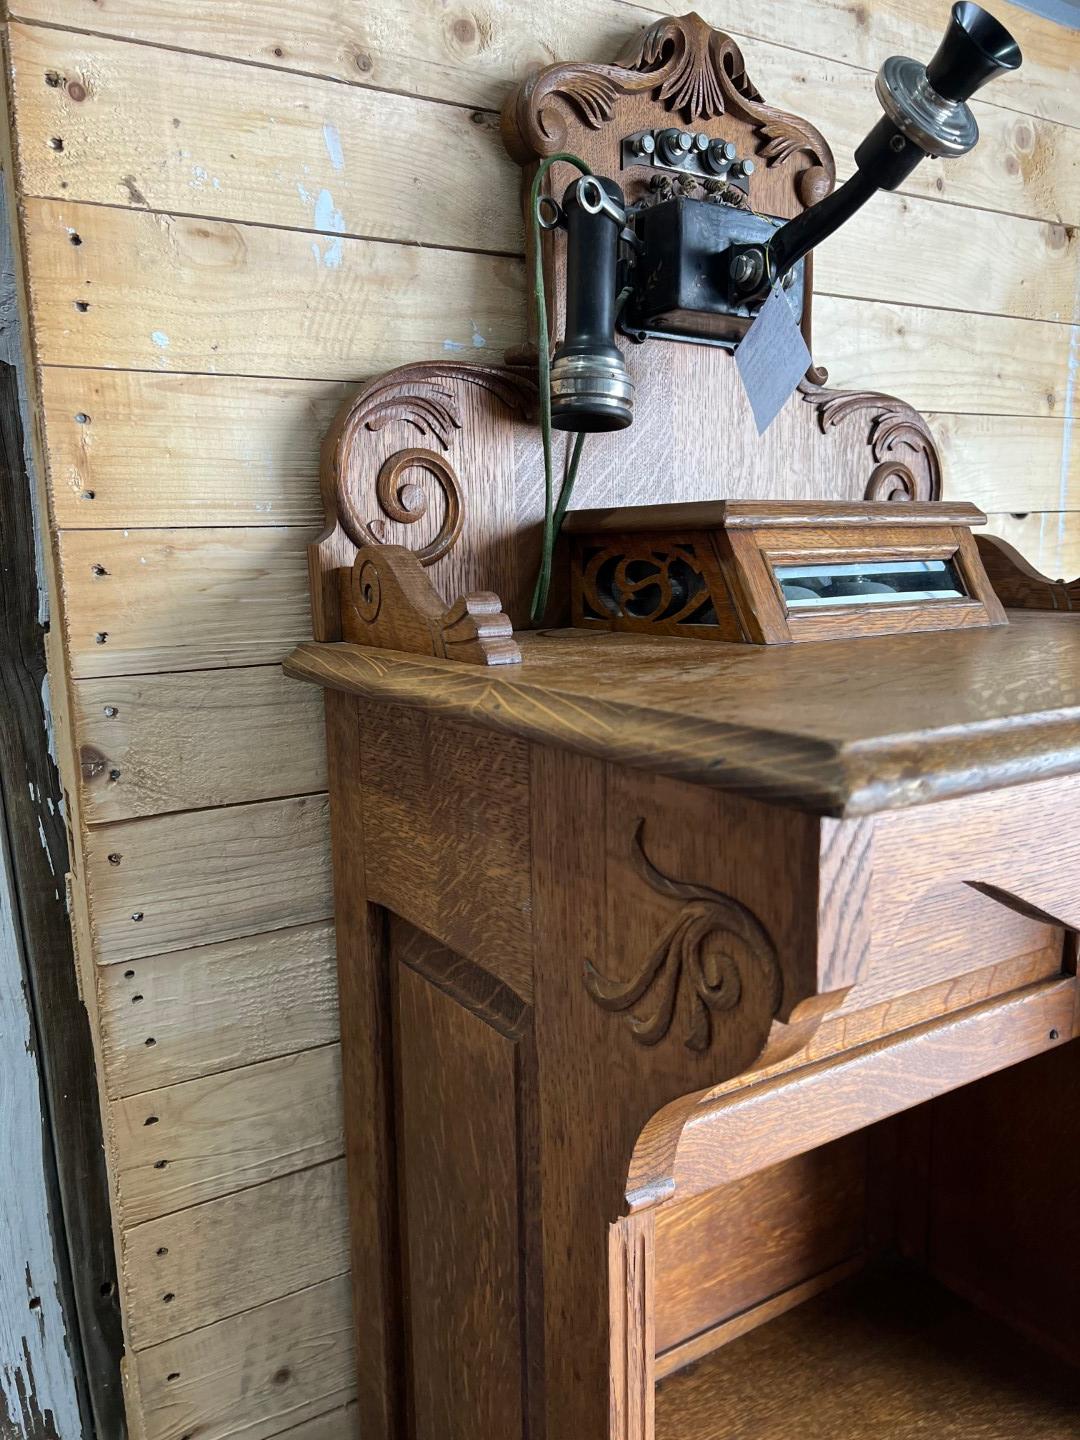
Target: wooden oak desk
[(707, 1007), (643, 945)]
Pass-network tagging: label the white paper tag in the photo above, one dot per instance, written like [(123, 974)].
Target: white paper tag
[(772, 358)]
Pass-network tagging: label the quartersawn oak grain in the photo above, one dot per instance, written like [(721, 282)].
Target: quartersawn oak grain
[(1004, 702), (884, 1355)]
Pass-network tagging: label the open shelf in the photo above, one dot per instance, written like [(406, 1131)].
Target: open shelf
[(889, 1355)]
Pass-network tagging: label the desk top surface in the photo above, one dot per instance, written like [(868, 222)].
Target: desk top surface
[(844, 727)]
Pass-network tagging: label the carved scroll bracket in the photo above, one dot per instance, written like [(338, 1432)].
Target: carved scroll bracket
[(375, 495), (391, 604)]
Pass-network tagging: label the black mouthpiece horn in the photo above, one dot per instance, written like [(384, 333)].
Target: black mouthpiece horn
[(976, 47)]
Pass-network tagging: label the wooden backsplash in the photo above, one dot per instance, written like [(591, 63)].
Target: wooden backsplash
[(211, 264)]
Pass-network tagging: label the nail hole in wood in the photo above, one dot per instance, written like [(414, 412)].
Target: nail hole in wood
[(114, 774), (1054, 1035), (150, 1040), (163, 1249), (98, 570), (52, 79), (150, 1120), (114, 859), (82, 306), (82, 418), (75, 238), (111, 711), (35, 1302), (137, 915), (106, 1289), (56, 143), (101, 637), (168, 1297), (129, 974), (135, 999), (87, 495), (161, 1164), (172, 1375)]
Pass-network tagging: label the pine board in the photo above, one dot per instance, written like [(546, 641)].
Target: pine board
[(338, 1425), (153, 450), (186, 741), (201, 286), (188, 1143), (215, 140), (206, 875), (1009, 462), (166, 292), (258, 1374), (229, 1255), (182, 450), (470, 55), (217, 1007), (182, 599), (1051, 541)]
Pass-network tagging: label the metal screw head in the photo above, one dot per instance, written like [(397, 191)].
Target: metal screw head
[(745, 167), (644, 145), (897, 143), (684, 141), (742, 269), (111, 711), (701, 142)]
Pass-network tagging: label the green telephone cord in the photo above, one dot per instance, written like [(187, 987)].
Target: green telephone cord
[(553, 512)]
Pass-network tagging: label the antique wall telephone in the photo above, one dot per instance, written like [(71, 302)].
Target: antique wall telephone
[(691, 523), (699, 269)]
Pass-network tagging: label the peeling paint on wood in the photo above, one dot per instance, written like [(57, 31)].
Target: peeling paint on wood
[(38, 1399)]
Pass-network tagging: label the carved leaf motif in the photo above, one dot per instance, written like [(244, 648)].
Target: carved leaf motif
[(591, 93), (784, 141), (691, 61), (908, 465), (706, 951)]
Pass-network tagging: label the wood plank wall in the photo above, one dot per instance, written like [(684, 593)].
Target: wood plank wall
[(211, 263)]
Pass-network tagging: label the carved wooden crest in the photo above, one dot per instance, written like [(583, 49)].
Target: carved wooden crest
[(685, 67), (443, 458)]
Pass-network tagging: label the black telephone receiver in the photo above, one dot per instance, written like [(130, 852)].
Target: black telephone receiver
[(694, 270)]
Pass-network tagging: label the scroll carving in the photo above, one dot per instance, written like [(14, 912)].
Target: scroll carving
[(392, 605), (703, 953), (416, 496), (908, 466), (431, 412), (691, 69)]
